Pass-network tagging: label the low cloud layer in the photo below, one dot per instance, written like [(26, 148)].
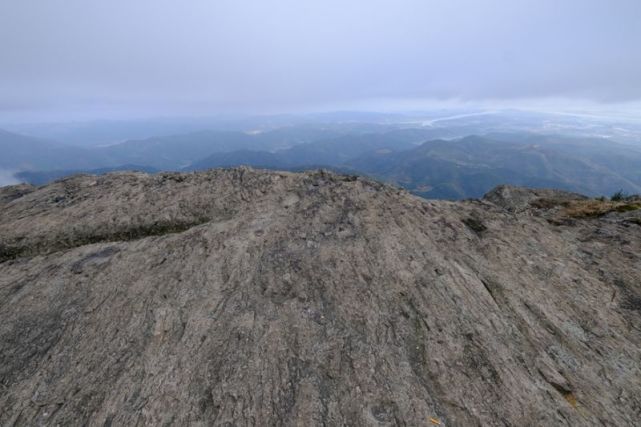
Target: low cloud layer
[(270, 55), (7, 178)]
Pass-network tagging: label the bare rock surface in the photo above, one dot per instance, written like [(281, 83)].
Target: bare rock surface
[(242, 297), (520, 199)]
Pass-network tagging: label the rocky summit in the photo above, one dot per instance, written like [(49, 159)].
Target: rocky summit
[(250, 298)]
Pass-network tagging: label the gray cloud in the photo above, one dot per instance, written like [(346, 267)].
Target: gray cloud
[(265, 55)]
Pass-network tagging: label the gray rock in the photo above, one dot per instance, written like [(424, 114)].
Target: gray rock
[(242, 297), (519, 199)]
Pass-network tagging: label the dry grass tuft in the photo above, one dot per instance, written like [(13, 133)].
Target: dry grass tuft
[(592, 208), (571, 398)]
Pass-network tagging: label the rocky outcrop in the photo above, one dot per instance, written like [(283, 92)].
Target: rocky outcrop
[(520, 199), (242, 297)]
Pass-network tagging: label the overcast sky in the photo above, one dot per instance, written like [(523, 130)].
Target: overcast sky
[(210, 56)]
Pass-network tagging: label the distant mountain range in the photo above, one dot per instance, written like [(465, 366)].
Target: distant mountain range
[(334, 152), (466, 167), (439, 168), (45, 177), (470, 166), (19, 152)]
